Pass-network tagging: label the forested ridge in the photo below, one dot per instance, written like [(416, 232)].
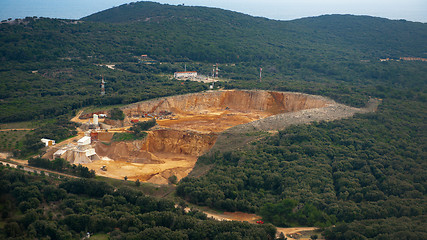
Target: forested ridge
[(366, 175)]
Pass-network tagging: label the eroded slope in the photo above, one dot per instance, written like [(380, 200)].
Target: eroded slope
[(188, 126)]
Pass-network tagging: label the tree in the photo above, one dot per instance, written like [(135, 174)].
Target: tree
[(12, 229), (173, 179), (116, 114)]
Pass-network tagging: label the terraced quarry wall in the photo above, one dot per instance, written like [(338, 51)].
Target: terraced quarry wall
[(265, 102), (194, 123)]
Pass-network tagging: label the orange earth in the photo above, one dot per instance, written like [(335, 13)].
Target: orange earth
[(189, 130)]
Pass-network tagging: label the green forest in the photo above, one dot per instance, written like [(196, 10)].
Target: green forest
[(40, 207), (359, 178)]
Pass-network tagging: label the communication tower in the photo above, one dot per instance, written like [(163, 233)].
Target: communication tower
[(215, 71)]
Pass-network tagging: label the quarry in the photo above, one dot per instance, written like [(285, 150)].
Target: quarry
[(189, 126)]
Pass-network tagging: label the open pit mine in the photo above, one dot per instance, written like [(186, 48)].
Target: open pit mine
[(189, 125)]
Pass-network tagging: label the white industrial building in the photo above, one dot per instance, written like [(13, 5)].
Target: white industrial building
[(84, 141), (48, 142), (95, 119), (178, 75), (82, 153)]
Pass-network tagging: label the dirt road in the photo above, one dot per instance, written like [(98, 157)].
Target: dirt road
[(34, 169), (295, 233), (290, 233), (76, 119), (16, 129)]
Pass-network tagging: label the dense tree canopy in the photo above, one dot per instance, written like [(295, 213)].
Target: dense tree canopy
[(35, 207)]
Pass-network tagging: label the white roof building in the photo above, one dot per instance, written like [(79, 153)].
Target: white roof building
[(59, 153), (48, 142), (84, 141), (185, 74)]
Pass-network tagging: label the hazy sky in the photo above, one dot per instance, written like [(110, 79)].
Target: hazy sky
[(412, 10)]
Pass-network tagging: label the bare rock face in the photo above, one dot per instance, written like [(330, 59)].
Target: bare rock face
[(115, 123), (158, 141), (233, 100), (179, 142)]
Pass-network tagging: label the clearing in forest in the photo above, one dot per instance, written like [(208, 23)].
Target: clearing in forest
[(190, 125)]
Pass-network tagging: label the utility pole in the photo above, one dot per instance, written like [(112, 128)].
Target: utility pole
[(260, 74)]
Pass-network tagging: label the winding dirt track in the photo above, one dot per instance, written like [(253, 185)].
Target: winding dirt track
[(290, 233), (16, 129)]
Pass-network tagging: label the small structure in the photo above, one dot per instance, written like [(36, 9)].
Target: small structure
[(94, 136), (181, 75), (48, 142), (95, 119), (84, 141), (59, 153), (80, 154), (146, 59)]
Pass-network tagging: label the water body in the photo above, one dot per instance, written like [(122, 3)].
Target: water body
[(412, 10), (65, 9)]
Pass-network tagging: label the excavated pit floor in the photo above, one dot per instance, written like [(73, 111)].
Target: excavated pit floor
[(172, 147)]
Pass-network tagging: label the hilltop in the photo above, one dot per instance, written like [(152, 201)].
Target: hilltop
[(360, 33)]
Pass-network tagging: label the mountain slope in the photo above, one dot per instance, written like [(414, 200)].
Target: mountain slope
[(319, 50), (363, 33)]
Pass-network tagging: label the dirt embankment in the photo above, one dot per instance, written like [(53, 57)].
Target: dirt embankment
[(162, 154), (161, 141)]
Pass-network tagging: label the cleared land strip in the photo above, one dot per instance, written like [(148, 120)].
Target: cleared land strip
[(38, 170), (289, 233), (16, 129)]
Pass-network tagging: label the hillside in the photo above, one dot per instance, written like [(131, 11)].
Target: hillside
[(363, 33), (366, 174), (62, 54)]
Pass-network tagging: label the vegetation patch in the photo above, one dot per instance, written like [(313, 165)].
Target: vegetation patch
[(119, 137), (289, 213), (11, 140), (62, 165), (116, 114), (138, 131)]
